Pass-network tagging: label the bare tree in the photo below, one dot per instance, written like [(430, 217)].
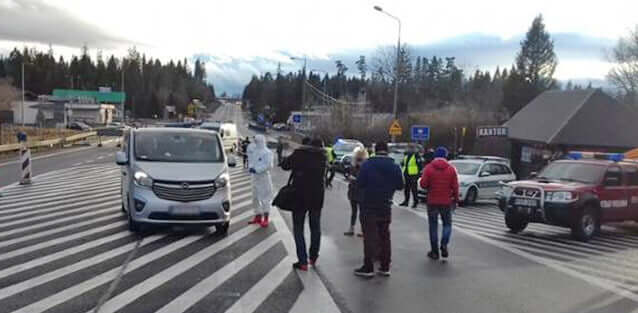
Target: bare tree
[(8, 94), (385, 62), (624, 75)]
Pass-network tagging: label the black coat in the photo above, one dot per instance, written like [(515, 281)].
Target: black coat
[(308, 165)]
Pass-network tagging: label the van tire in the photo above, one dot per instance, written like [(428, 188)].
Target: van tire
[(222, 229), (471, 196)]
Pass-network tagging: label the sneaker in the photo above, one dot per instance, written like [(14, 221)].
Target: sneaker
[(433, 255), (384, 272), (444, 252), (256, 220), (301, 267), (404, 203), (414, 205), (364, 272)]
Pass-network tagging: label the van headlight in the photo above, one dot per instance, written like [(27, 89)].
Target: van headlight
[(560, 196), (222, 181), (142, 179)]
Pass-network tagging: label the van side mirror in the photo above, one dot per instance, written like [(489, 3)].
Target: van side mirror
[(120, 158), (485, 174), (232, 161)]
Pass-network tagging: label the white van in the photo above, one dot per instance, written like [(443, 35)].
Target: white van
[(230, 137)]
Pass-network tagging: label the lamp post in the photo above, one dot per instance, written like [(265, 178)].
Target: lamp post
[(398, 70), (303, 85)]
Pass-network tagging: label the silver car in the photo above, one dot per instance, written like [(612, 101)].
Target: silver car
[(175, 176)]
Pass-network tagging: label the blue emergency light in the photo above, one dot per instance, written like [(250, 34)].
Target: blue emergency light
[(580, 155)]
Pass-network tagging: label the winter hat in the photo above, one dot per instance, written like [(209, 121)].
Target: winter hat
[(381, 147), (440, 152)]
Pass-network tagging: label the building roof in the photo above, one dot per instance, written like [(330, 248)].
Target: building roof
[(576, 118), (100, 97)]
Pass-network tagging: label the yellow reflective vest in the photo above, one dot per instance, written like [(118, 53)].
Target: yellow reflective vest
[(413, 167), (329, 154)]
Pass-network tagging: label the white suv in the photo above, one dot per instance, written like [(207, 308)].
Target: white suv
[(480, 177)]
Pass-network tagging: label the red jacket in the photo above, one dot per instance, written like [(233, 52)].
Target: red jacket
[(441, 182)]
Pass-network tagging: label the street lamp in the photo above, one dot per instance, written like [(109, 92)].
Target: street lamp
[(396, 79), (303, 85)]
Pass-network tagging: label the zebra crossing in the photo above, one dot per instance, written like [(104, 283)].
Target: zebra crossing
[(610, 258), (65, 247)]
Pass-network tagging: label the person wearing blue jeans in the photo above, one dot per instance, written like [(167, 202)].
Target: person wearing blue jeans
[(433, 221)]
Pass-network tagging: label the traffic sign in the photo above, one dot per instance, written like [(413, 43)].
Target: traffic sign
[(420, 132), (395, 129), (296, 118), (491, 131)]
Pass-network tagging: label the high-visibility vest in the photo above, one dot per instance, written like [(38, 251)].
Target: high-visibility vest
[(329, 154), (413, 168)]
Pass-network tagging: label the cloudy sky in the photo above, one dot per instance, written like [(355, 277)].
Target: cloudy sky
[(239, 38)]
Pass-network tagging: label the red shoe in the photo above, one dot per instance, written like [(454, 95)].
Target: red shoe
[(301, 267), (256, 220), (264, 222)]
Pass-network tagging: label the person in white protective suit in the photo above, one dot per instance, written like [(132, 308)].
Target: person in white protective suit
[(260, 161)]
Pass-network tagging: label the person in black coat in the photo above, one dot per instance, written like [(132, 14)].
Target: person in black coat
[(308, 165)]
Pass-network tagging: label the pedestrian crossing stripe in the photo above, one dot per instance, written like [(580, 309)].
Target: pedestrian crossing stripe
[(605, 260), (62, 239)]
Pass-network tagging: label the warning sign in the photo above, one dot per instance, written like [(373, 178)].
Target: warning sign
[(395, 129)]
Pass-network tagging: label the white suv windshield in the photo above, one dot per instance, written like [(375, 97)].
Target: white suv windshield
[(177, 147)]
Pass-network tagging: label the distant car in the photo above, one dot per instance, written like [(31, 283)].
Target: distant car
[(280, 126), (79, 126), (343, 148), (480, 177), (397, 151), (175, 176)]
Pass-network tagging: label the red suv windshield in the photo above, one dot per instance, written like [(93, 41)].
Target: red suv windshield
[(573, 171)]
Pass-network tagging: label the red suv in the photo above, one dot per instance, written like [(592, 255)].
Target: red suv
[(580, 193)]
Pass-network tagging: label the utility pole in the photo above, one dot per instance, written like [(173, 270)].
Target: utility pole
[(123, 94), (395, 112), (303, 83), (22, 108)]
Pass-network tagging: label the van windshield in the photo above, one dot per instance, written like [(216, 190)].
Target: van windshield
[(177, 147)]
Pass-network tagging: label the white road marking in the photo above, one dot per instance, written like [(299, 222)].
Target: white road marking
[(58, 204)]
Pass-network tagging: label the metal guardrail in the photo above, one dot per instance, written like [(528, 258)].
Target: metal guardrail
[(49, 142)]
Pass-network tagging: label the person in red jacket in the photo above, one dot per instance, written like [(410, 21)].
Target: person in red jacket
[(441, 182)]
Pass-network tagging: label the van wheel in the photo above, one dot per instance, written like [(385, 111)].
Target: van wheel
[(515, 222), (586, 224), (222, 229)]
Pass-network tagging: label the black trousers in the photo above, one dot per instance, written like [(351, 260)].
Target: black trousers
[(298, 221), (354, 205), (330, 174), (376, 240), (410, 186)]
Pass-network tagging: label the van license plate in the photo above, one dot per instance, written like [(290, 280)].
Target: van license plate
[(185, 210)]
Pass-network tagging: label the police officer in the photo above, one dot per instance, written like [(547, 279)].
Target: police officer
[(330, 174), (412, 165)]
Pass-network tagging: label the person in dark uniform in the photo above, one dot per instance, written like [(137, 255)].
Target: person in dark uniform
[(412, 166), (244, 151)]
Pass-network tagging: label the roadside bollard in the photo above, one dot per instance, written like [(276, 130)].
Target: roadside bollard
[(25, 159)]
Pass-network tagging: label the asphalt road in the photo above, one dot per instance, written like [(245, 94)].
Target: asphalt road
[(64, 247)]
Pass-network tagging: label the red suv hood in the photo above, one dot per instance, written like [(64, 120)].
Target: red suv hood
[(551, 185)]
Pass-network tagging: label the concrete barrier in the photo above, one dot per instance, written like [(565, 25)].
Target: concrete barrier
[(47, 143)]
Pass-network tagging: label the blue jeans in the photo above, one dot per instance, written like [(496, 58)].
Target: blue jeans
[(298, 222), (433, 221)]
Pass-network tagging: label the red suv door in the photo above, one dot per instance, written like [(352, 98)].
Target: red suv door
[(631, 181), (614, 200)]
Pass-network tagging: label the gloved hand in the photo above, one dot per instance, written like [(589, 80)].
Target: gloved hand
[(252, 171)]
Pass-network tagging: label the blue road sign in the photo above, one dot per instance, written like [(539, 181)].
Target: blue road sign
[(420, 132), (296, 118)]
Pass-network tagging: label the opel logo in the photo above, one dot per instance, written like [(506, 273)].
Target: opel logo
[(185, 186)]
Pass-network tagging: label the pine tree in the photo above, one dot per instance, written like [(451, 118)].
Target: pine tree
[(535, 66)]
